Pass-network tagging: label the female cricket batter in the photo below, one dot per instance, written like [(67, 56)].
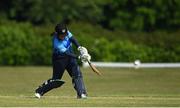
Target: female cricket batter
[(64, 58)]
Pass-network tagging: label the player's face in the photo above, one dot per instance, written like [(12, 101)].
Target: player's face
[(62, 36)]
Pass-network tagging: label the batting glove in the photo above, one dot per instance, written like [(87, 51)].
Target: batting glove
[(85, 57), (82, 50)]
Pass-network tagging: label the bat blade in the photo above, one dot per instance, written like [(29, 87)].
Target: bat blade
[(94, 68)]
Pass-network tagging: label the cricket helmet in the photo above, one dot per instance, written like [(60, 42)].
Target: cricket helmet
[(61, 29)]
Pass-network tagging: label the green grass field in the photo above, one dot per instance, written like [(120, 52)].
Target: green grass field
[(117, 87)]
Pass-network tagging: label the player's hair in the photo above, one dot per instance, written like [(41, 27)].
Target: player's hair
[(61, 29)]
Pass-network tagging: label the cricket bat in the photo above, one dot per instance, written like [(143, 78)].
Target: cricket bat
[(94, 68)]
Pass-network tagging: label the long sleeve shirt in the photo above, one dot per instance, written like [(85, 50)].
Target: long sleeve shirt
[(64, 47)]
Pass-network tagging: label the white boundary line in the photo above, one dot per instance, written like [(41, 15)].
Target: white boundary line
[(133, 65)]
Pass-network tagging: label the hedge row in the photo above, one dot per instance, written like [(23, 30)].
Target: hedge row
[(24, 44), (21, 46)]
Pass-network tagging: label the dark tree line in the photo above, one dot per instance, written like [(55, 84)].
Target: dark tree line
[(141, 15)]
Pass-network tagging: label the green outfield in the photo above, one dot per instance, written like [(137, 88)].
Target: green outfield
[(117, 87)]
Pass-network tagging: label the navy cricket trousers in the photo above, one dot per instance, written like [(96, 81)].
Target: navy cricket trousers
[(60, 64)]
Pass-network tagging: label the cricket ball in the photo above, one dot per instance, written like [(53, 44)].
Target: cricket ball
[(137, 63)]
